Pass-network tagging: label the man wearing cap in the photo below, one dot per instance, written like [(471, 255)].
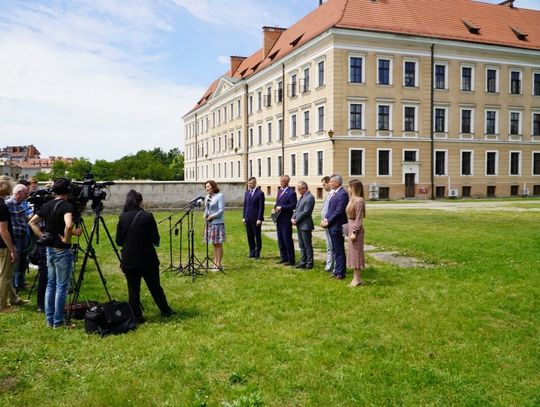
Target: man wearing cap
[(58, 216)]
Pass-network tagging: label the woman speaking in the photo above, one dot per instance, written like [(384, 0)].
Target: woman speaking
[(138, 235), (215, 225)]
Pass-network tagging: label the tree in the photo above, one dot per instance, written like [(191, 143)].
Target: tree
[(79, 168), (59, 169), (177, 166)]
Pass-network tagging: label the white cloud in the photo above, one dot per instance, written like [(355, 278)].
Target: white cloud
[(223, 59)]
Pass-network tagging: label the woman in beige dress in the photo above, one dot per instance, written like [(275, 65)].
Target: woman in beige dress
[(356, 212)]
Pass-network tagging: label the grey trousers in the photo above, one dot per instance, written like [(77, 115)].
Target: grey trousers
[(329, 254), (306, 248)]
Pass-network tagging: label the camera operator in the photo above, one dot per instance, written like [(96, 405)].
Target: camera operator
[(58, 216)]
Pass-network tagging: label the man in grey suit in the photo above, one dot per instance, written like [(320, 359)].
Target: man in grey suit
[(304, 223), (329, 267)]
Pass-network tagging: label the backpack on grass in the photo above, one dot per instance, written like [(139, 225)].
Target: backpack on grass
[(110, 318)]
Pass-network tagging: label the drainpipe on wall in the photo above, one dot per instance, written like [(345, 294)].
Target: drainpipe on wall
[(196, 149), (246, 135), (431, 123), (283, 87)]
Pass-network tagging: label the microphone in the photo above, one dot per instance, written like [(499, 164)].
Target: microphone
[(197, 201)]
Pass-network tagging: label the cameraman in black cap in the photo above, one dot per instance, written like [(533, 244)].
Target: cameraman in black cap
[(58, 216)]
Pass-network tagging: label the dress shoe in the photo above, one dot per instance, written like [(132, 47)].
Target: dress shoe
[(301, 266), (309, 266), (168, 314), (291, 264), (20, 301), (337, 277)]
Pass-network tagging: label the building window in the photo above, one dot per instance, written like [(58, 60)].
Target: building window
[(280, 129), (515, 123), (490, 191), (409, 155), (409, 79), (466, 163), (293, 165), (383, 117), (293, 125), (356, 162), (515, 163), (259, 101), (280, 165), (259, 135), (536, 124), (238, 104), (491, 122), (356, 69), (219, 144), (466, 78), (306, 80), (355, 116), (251, 137), (383, 159), (440, 162), (270, 132), (268, 97), (491, 81), (280, 92), (440, 120), (250, 105), (269, 166), (466, 192), (320, 67), (440, 76), (466, 116), (515, 82), (320, 163), (491, 163), (383, 72), (225, 115), (239, 145), (238, 173), (306, 122), (536, 164), (320, 111), (306, 164), (536, 84), (410, 118), (293, 86)]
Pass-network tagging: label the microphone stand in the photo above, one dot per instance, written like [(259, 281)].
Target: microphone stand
[(171, 267)]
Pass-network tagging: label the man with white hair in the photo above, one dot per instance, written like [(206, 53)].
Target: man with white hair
[(21, 235)]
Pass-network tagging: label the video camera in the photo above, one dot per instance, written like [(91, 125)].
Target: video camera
[(89, 190)]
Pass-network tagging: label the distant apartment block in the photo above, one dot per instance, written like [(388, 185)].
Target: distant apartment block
[(416, 98)]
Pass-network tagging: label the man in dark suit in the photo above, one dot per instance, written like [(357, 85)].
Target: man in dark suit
[(335, 219), (253, 217), (282, 214), (304, 223)]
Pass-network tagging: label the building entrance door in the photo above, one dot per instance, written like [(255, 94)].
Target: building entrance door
[(409, 185)]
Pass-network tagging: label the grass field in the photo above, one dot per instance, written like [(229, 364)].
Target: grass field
[(465, 332)]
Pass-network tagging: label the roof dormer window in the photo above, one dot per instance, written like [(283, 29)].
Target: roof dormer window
[(473, 28), (519, 34)]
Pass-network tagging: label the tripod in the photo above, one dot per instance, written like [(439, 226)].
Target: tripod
[(89, 252), (171, 267), (191, 269)]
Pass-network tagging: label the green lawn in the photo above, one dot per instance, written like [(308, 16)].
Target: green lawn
[(465, 332)]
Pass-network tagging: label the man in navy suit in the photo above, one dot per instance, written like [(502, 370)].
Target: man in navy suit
[(334, 220), (253, 217), (282, 214)]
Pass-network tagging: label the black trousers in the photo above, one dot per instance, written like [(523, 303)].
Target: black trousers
[(43, 273), (254, 238), (285, 242), (151, 278)]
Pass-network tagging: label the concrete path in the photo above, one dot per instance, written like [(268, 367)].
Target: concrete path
[(394, 258)]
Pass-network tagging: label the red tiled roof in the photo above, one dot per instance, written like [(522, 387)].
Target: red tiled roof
[(441, 19)]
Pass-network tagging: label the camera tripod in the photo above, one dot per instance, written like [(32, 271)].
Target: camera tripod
[(90, 253)]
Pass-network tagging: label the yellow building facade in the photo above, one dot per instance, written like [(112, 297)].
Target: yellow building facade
[(410, 116)]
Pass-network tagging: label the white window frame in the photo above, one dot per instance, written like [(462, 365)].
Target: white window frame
[(304, 172), (445, 119), (317, 162), (295, 125), (532, 163), (445, 64), (496, 121), (416, 68), (520, 122), (532, 123), (363, 169), (319, 130), (496, 163), (532, 81), (390, 116), (390, 70), (317, 62), (520, 81), (293, 174), (445, 151), (363, 109), (306, 132), (363, 58), (461, 162), (472, 77), (497, 79), (415, 107), (461, 119), (389, 163), (410, 149), (510, 163)]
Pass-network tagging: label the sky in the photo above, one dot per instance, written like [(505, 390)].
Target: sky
[(101, 79)]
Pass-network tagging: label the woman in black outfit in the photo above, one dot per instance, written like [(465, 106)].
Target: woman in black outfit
[(138, 235)]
